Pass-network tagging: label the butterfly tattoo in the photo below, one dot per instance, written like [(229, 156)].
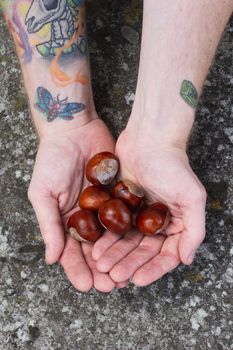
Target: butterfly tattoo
[(55, 108)]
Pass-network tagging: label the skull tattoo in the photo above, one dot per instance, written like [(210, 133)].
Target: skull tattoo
[(62, 15)]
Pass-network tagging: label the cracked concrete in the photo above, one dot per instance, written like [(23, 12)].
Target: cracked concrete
[(190, 308)]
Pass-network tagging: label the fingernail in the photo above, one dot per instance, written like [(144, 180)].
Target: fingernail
[(191, 257)]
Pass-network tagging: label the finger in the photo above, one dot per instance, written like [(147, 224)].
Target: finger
[(148, 248), (122, 284), (118, 251), (175, 226), (161, 264), (65, 217), (103, 243), (75, 266), (48, 216), (194, 229), (102, 281)]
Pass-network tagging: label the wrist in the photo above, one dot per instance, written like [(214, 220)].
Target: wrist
[(159, 124), (65, 129)]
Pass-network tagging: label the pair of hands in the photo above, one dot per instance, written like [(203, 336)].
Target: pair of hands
[(162, 171)]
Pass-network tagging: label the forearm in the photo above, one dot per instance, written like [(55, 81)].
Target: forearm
[(54, 60), (178, 43)]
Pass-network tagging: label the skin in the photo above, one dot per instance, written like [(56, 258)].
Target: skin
[(57, 180), (59, 173), (151, 149)]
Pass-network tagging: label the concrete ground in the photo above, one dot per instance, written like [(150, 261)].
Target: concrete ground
[(190, 308)]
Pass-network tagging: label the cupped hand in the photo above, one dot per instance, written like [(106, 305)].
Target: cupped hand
[(165, 175), (57, 180)]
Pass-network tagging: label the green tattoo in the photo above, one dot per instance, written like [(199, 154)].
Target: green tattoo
[(189, 93)]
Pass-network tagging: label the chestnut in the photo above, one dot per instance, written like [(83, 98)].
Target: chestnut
[(92, 198), (153, 219), (84, 226), (115, 216), (129, 193), (102, 168)]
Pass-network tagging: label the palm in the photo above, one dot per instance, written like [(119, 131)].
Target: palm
[(166, 176), (58, 179)]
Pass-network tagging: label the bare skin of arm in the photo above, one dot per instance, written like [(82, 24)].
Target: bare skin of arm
[(51, 43), (179, 41)]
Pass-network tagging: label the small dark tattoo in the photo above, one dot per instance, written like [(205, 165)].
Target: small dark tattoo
[(189, 93), (55, 108)]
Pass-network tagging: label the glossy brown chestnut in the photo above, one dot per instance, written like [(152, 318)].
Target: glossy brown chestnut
[(115, 216), (84, 226), (92, 198), (129, 193), (153, 219), (102, 168)]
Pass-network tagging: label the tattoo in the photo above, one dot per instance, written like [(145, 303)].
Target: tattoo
[(55, 108), (54, 29), (189, 93), (62, 16), (3, 5), (22, 36)]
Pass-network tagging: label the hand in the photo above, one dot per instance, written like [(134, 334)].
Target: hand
[(165, 174), (57, 180)]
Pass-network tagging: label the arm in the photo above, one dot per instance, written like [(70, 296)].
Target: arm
[(51, 43), (52, 49), (178, 43)]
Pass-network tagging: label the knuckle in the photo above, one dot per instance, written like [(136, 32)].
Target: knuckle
[(203, 194), (32, 194), (200, 194), (129, 242), (170, 259), (145, 247), (201, 236)]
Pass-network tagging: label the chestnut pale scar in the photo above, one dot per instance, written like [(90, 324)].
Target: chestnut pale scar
[(106, 171)]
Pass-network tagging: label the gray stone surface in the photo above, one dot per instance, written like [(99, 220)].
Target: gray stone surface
[(190, 308)]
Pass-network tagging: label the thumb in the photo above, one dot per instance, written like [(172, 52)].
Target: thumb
[(48, 216), (194, 232)]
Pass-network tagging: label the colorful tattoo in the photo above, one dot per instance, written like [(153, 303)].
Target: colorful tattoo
[(52, 28), (55, 108), (189, 93), (20, 36), (4, 4), (60, 77), (23, 42), (62, 16)]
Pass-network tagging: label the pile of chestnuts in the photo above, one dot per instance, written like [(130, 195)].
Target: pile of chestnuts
[(113, 205)]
